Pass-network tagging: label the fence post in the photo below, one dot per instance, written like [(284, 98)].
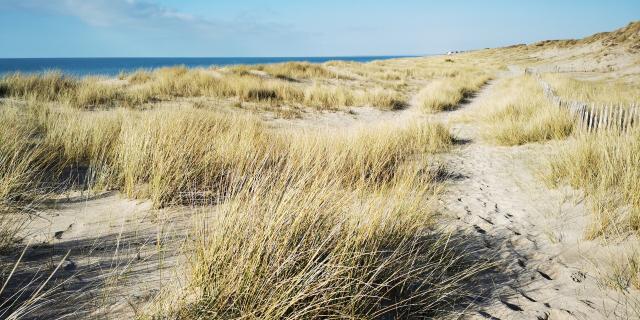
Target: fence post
[(601, 111), (585, 113), (613, 119), (632, 117), (592, 122), (589, 115), (620, 121), (625, 125)]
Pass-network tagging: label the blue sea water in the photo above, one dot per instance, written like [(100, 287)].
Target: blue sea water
[(113, 66)]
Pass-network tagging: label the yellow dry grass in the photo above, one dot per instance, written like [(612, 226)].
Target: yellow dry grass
[(599, 92), (305, 224), (145, 87), (299, 223), (607, 167), (447, 93), (518, 113), (314, 249), (290, 70)]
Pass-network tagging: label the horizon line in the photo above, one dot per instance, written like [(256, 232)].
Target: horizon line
[(236, 57)]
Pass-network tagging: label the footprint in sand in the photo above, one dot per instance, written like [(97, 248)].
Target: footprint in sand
[(479, 230), (486, 220), (544, 275), (511, 306), (487, 315)]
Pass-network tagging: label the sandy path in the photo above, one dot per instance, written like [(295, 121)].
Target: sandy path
[(536, 232), (547, 270)]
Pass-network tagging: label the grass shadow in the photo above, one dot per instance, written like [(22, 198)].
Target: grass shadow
[(87, 276)]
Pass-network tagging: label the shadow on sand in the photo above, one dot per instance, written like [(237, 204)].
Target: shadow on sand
[(97, 269)]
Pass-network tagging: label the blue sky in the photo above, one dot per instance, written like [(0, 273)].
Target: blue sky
[(200, 28)]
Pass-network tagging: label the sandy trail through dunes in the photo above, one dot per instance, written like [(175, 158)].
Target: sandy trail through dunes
[(537, 232)]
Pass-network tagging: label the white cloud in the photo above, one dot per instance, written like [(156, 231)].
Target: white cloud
[(144, 27), (105, 13), (141, 14)]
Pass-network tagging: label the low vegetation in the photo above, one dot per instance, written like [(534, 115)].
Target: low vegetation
[(145, 87), (448, 93), (607, 167), (306, 224), (290, 70), (315, 249), (605, 163), (599, 92), (519, 113)]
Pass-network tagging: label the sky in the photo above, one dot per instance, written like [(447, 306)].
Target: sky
[(253, 28)]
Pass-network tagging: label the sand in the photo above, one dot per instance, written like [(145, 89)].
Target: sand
[(121, 253), (547, 269)]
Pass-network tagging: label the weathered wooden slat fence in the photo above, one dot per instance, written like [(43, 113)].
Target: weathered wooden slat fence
[(592, 118)]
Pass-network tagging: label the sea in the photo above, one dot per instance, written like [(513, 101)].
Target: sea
[(113, 66)]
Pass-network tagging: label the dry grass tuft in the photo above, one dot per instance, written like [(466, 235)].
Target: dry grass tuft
[(140, 77), (46, 87), (385, 99), (306, 224), (93, 93), (603, 92), (298, 70), (447, 93), (607, 167), (289, 71), (315, 250), (26, 164), (338, 228), (519, 113)]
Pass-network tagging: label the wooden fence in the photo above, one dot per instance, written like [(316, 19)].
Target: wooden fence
[(592, 118)]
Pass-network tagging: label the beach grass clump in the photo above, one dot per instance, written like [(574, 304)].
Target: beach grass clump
[(249, 88), (518, 113), (606, 166), (288, 71), (26, 164), (448, 93), (328, 98), (167, 154), (385, 99), (25, 159), (334, 98), (167, 157), (140, 76), (314, 250), (339, 226), (86, 93), (601, 92), (91, 93), (179, 82), (298, 70), (42, 87), (172, 156), (369, 157)]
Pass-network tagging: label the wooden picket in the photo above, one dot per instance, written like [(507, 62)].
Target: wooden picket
[(592, 118)]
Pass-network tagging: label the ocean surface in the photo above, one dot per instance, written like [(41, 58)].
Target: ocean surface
[(113, 66)]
